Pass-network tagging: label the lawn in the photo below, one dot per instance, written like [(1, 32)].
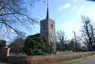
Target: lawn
[(58, 53), (64, 52)]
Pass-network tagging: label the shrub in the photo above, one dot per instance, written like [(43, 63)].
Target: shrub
[(2, 43), (35, 46)]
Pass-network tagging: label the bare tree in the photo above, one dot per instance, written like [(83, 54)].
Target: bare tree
[(88, 33), (13, 14), (76, 41), (61, 38), (17, 44)]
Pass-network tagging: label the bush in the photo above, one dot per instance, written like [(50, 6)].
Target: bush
[(2, 43), (35, 46), (43, 53)]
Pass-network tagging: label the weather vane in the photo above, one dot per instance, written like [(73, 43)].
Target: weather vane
[(47, 2)]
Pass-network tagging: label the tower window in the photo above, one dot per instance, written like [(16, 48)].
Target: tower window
[(43, 25), (51, 35), (51, 26)]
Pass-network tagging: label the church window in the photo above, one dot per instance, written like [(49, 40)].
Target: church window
[(43, 25), (51, 26)]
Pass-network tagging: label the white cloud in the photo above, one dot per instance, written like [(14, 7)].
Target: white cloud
[(67, 5)]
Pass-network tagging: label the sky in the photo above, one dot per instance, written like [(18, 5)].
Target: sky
[(66, 13)]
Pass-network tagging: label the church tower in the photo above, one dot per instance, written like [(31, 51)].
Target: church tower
[(47, 30)]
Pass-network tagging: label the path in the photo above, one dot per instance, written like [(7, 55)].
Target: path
[(88, 61)]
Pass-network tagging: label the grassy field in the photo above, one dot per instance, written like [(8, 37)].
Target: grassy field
[(62, 53), (58, 53)]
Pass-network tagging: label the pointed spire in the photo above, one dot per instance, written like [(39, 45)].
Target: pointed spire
[(47, 15)]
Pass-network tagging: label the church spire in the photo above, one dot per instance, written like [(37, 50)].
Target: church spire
[(47, 15)]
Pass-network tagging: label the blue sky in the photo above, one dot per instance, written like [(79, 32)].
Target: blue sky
[(66, 13)]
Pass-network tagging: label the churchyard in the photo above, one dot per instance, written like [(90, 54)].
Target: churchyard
[(21, 44)]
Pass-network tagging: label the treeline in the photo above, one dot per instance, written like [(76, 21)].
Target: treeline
[(68, 45), (84, 42)]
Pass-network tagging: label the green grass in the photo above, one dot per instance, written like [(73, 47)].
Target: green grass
[(58, 53), (16, 54), (65, 52), (77, 60)]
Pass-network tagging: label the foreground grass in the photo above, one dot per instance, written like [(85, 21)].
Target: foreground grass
[(65, 52), (58, 53), (77, 60)]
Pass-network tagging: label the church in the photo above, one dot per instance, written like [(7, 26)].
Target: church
[(47, 30)]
